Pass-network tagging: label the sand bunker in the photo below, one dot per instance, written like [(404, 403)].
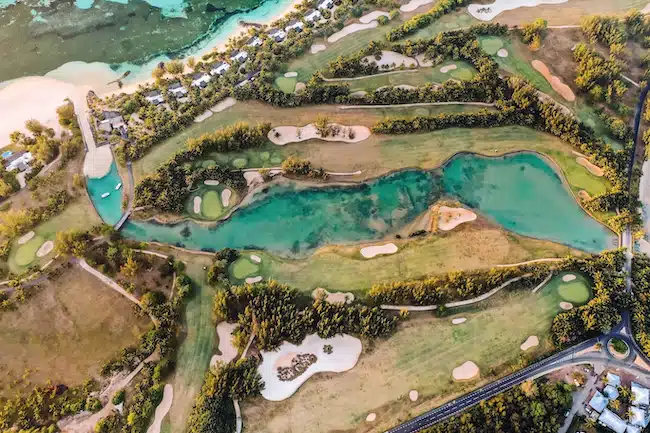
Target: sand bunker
[(345, 354), (458, 320), (300, 86), (352, 28), (26, 237), (256, 258), (372, 16), (593, 169), (333, 298), (377, 250), (253, 280), (226, 103), (413, 5), (228, 351), (568, 277), (45, 249), (391, 60), (584, 195), (448, 68), (197, 204), (289, 134), (211, 182), (317, 48), (486, 12), (98, 161), (358, 94), (502, 52), (201, 117), (530, 342), (162, 409), (452, 217), (413, 395), (556, 83), (253, 178), (291, 74), (371, 417), (467, 371), (566, 305), (225, 197)]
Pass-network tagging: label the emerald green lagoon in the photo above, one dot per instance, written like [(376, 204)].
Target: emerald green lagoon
[(109, 208), (521, 192)]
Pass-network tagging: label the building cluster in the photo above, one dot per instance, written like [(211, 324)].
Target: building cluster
[(637, 413), (16, 161)]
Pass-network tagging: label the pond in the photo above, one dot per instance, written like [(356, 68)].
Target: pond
[(109, 208), (521, 192)]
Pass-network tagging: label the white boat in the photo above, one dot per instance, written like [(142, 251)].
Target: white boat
[(106, 194), (118, 186)]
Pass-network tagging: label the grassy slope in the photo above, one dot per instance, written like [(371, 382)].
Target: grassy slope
[(65, 332), (465, 248), (420, 356)]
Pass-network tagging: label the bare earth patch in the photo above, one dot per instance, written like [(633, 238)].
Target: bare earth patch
[(413, 395), (333, 298), (467, 371), (376, 250), (45, 249), (555, 81), (282, 135), (530, 342), (345, 353), (593, 168), (458, 320), (228, 351), (26, 237), (371, 417), (451, 217), (352, 28), (211, 182)]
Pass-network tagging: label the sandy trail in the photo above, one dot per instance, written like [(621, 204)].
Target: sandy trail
[(293, 134), (555, 82)]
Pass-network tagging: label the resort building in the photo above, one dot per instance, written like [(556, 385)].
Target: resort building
[(219, 68), (611, 392), (155, 97), (640, 395), (612, 421), (312, 15), (250, 77), (294, 25), (177, 89), (254, 41), (239, 56), (111, 120), (18, 161), (326, 4), (278, 35), (598, 402), (200, 79), (614, 380), (639, 417)]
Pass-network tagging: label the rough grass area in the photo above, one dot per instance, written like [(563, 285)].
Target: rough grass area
[(576, 291), (65, 332), (420, 356), (197, 344), (79, 215), (473, 246)]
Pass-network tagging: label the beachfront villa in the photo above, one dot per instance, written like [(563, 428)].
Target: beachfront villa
[(219, 68), (200, 79), (254, 41), (250, 77), (326, 4), (312, 15), (111, 120), (155, 97), (638, 410), (238, 56), (294, 25), (640, 395), (278, 35), (18, 161), (177, 90)]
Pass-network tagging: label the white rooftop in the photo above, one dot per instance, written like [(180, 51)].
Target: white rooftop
[(632, 429), (611, 392), (638, 417), (611, 420), (640, 395), (613, 379), (598, 402)]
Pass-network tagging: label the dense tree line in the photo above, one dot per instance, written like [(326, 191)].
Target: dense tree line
[(218, 271), (295, 166), (598, 77), (419, 21), (532, 407), (641, 304), (277, 313), (609, 31), (18, 222), (213, 410), (533, 33)]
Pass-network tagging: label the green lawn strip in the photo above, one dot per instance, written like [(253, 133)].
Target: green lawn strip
[(588, 115), (196, 346), (577, 291)]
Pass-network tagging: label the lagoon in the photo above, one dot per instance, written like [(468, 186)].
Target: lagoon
[(520, 192), (108, 208)]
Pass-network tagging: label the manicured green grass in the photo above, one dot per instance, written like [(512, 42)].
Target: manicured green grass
[(211, 206), (287, 85), (239, 162), (419, 356), (577, 291), (26, 253), (242, 268), (491, 44)]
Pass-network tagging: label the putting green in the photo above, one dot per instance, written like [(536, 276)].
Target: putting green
[(26, 253), (576, 291), (242, 268), (208, 163), (211, 206), (286, 84), (240, 162), (264, 156), (276, 159), (462, 73), (491, 44)]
